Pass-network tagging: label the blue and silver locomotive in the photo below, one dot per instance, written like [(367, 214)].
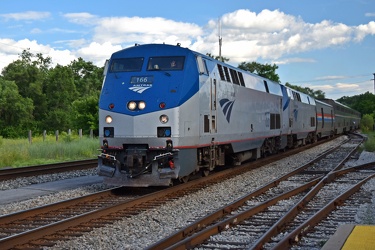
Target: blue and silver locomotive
[(167, 112)]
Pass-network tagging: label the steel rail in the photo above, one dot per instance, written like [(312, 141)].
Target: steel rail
[(10, 218), (157, 197), (295, 235), (277, 227), (185, 240), (231, 221), (181, 238), (220, 213), (154, 199), (12, 173)]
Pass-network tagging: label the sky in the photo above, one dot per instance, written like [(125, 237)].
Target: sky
[(320, 44)]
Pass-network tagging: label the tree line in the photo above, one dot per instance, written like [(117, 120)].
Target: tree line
[(36, 96)]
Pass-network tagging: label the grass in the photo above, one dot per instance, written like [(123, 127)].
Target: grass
[(369, 144), (19, 152)]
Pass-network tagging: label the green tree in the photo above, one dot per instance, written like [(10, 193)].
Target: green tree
[(60, 87), (29, 72), (364, 103), (88, 78), (15, 110), (265, 70), (367, 122), (61, 93), (28, 69), (60, 97), (318, 94), (86, 113)]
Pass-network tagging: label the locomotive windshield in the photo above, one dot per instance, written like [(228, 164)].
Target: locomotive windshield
[(127, 64), (166, 63)]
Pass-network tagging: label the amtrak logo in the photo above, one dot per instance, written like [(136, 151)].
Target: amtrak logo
[(139, 89), (226, 106)]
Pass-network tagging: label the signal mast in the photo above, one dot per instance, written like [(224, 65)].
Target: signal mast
[(221, 41)]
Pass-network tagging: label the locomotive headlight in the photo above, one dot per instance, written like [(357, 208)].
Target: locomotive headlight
[(164, 119), (108, 119), (132, 105), (141, 105)]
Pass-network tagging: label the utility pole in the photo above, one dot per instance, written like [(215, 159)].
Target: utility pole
[(221, 40), (374, 82)]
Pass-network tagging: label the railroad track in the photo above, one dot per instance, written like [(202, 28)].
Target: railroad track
[(45, 225), (12, 173), (278, 214)]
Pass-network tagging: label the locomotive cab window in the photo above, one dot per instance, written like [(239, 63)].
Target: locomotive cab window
[(166, 63), (202, 65), (126, 65)]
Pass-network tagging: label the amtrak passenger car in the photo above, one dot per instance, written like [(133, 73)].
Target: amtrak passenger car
[(346, 119), (166, 112)]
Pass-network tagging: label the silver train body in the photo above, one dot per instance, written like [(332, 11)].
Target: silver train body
[(159, 124)]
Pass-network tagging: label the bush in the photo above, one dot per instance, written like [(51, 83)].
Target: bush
[(369, 144), (367, 123)]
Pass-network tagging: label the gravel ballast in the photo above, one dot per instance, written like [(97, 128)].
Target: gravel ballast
[(148, 227)]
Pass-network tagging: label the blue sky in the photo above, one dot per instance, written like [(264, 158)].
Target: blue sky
[(325, 45)]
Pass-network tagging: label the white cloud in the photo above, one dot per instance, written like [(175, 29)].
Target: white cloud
[(273, 34), (10, 51), (346, 85), (97, 53), (36, 31), (364, 30), (247, 36), (323, 87), (265, 22), (82, 18), (130, 30), (28, 15), (339, 89), (330, 78), (293, 60), (62, 57), (78, 43)]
